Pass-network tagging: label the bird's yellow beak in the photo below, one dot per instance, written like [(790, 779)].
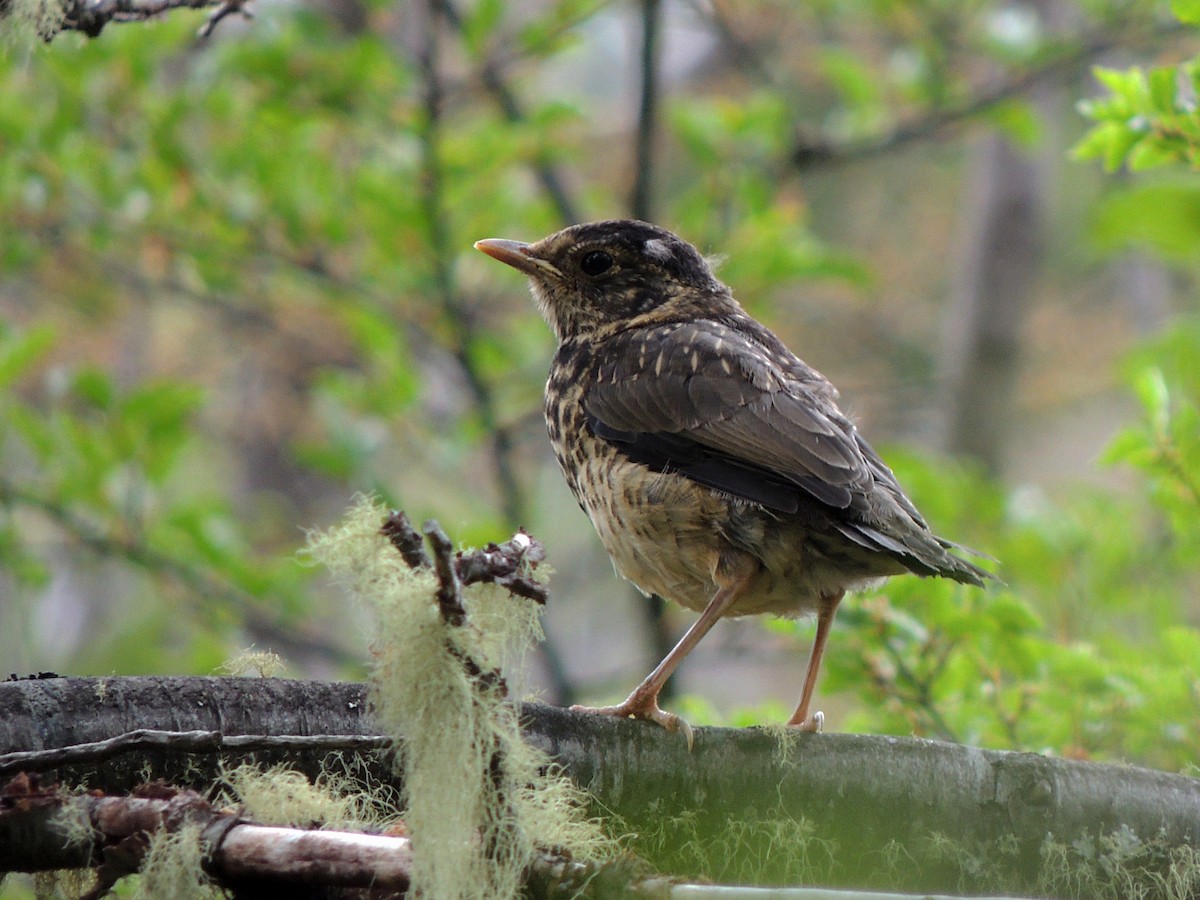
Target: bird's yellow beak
[(517, 255)]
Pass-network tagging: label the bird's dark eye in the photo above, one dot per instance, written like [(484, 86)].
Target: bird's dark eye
[(596, 262)]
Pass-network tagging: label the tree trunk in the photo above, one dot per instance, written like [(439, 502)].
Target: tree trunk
[(996, 272)]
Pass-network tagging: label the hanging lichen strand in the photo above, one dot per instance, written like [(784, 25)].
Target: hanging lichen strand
[(479, 801)]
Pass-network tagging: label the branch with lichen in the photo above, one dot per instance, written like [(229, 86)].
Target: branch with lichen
[(485, 779), (873, 797), (480, 800), (51, 17), (121, 834), (175, 838), (486, 807)]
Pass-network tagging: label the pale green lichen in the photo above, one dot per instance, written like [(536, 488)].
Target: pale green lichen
[(282, 796), (775, 849), (171, 868), (787, 739), (1120, 865), (769, 848), (262, 663), (26, 21), (480, 802), (73, 823), (66, 884)]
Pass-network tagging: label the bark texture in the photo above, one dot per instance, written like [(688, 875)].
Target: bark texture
[(860, 793)]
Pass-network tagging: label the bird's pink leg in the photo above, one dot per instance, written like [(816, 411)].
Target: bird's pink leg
[(825, 612), (732, 575)]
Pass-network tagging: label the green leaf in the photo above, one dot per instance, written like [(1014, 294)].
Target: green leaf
[(1151, 389), (1162, 216), (1131, 445), (1162, 89), (854, 81), (19, 352), (1186, 11), (1111, 142), (480, 23), (1125, 85), (94, 387)]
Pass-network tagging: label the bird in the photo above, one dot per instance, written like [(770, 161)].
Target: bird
[(716, 466)]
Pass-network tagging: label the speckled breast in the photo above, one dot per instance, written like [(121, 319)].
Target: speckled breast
[(664, 532)]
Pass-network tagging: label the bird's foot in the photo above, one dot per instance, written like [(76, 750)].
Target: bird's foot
[(635, 707), (812, 724)]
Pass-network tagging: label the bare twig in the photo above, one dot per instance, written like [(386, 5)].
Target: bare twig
[(184, 742), (90, 16), (512, 497), (449, 593), (506, 565), (806, 155), (406, 539), (227, 8)]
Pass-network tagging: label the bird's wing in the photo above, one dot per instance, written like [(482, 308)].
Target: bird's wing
[(731, 411)]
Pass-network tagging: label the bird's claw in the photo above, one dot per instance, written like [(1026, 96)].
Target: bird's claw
[(812, 724), (651, 712)]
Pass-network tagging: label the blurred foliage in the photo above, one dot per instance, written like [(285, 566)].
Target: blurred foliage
[(1148, 118), (1084, 651), (1087, 650), (237, 287)]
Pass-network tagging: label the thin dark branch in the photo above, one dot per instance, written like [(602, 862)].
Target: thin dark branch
[(406, 539), (920, 695), (642, 198), (449, 593), (198, 741), (227, 8), (507, 565), (807, 155), (90, 16)]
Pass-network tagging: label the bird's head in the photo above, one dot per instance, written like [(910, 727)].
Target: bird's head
[(601, 275)]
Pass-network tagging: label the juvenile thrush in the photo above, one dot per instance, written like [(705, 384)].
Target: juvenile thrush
[(715, 465)]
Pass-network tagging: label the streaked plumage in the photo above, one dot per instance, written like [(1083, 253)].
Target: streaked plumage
[(706, 454)]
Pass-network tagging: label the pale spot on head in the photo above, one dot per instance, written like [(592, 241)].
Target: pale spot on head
[(657, 250)]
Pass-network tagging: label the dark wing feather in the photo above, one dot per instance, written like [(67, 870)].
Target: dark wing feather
[(730, 412), (736, 411)]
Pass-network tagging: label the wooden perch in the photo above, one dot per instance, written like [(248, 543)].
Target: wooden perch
[(863, 793)]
